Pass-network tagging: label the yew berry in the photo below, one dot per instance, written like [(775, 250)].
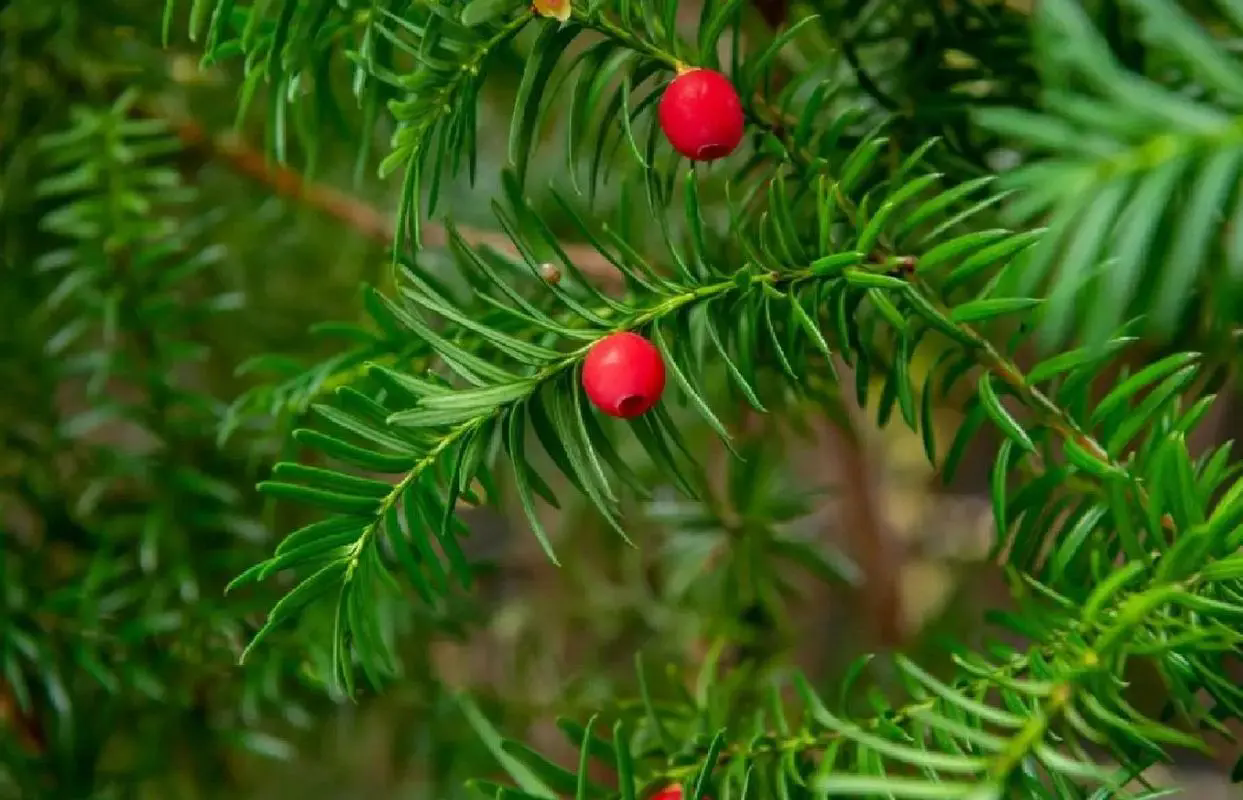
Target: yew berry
[(673, 792), (701, 115), (623, 375)]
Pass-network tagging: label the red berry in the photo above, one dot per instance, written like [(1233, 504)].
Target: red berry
[(701, 115), (623, 375), (673, 792)]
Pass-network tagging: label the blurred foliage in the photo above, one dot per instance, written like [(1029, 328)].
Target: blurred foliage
[(179, 334)]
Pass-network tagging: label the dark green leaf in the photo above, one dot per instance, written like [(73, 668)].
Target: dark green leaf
[(997, 412)]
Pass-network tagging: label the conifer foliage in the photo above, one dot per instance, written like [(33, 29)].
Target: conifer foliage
[(807, 217)]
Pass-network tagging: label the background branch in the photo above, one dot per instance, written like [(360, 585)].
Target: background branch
[(364, 219), (867, 536)]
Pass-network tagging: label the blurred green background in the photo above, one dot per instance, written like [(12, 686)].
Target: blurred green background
[(118, 681)]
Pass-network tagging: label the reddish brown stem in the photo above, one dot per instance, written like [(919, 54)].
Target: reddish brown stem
[(870, 540), (26, 728)]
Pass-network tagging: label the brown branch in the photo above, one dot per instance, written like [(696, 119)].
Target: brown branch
[(774, 12), (871, 540), (26, 728), (355, 214)]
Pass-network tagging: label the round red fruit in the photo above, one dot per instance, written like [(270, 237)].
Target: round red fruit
[(673, 792), (701, 115), (623, 375)]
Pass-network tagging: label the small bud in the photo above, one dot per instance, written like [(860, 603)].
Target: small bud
[(550, 273), (557, 9)]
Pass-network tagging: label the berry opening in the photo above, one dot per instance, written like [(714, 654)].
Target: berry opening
[(630, 405), (711, 152)]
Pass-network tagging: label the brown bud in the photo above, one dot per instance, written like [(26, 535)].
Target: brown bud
[(550, 273)]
